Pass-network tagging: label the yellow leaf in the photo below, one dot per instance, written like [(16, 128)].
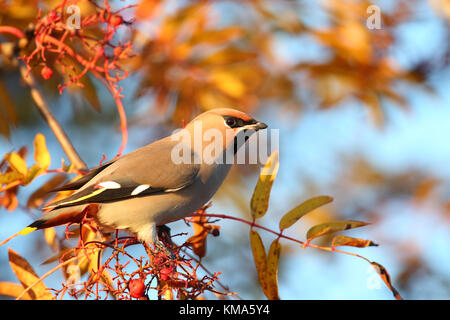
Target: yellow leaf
[(41, 154), (272, 271), (26, 275), (12, 290), (50, 238), (17, 163), (88, 258), (309, 205), (10, 177), (260, 199), (259, 256), (330, 227), (228, 83), (32, 173), (352, 242)]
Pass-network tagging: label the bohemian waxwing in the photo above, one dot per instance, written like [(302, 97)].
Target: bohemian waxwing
[(164, 181)]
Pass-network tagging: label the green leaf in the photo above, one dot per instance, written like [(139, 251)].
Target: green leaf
[(330, 227), (309, 205)]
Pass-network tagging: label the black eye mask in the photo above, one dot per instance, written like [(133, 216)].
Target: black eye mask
[(234, 122)]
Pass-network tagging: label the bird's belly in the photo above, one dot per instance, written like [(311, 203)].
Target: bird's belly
[(160, 208)]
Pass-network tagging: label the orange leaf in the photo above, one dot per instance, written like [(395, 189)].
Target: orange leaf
[(12, 290), (26, 275), (352, 242), (384, 275), (309, 205), (41, 194), (201, 231), (330, 227)]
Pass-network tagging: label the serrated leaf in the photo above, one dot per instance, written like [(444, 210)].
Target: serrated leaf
[(330, 227), (271, 274), (18, 163), (260, 198), (38, 197), (309, 205), (352, 242), (41, 154), (26, 275), (259, 257), (384, 275)]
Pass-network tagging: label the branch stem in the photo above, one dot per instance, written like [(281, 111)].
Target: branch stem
[(43, 108)]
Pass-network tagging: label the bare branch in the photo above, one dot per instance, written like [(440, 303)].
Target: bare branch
[(42, 106)]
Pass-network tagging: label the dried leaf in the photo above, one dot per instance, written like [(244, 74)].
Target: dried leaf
[(18, 163), (90, 93), (9, 199), (41, 154), (26, 275), (309, 205), (352, 242), (50, 238), (12, 290), (38, 197), (259, 256), (330, 227), (271, 274), (201, 231), (260, 199), (386, 278)]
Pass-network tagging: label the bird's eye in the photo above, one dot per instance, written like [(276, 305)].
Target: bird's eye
[(231, 122)]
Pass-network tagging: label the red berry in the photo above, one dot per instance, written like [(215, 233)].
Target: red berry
[(137, 288), (115, 20), (164, 273), (46, 73)]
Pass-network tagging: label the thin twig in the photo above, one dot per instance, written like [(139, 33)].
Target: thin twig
[(42, 106)]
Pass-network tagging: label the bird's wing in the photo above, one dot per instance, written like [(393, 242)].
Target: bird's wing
[(143, 172), (77, 184)]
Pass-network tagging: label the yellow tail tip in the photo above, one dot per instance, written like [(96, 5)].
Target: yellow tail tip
[(27, 230)]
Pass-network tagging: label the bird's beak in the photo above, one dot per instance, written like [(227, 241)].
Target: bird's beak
[(257, 126)]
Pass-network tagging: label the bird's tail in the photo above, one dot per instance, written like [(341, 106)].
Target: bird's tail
[(54, 218)]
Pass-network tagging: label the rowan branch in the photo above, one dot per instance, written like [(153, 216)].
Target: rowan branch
[(43, 108)]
